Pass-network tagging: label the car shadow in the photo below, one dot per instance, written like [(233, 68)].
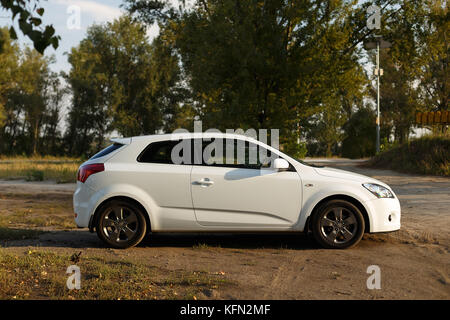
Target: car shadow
[(82, 238), (234, 240)]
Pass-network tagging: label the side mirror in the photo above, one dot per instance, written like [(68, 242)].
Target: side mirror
[(280, 164)]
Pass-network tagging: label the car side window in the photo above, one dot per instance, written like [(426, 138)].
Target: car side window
[(235, 153), (231, 153), (158, 152)]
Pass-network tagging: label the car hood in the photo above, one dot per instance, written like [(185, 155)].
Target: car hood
[(347, 175)]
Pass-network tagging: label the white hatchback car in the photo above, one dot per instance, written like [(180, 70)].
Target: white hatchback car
[(212, 182)]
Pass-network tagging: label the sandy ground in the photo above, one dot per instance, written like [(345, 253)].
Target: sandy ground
[(414, 261)]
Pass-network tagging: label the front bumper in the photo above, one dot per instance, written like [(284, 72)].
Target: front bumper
[(384, 214)]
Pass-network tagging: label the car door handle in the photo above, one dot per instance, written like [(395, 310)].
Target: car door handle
[(204, 182)]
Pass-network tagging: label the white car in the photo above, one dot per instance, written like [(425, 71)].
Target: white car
[(138, 185)]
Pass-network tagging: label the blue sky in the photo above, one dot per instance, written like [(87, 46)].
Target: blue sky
[(57, 12)]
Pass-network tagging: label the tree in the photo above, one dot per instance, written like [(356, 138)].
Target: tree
[(32, 92), (433, 55), (415, 67), (30, 13), (398, 98), (264, 64), (29, 92), (360, 135), (51, 141), (120, 82), (8, 65)]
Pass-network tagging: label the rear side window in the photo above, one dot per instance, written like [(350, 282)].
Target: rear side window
[(107, 150), (158, 152)]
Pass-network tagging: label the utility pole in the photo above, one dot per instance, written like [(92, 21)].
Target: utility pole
[(374, 22), (378, 97)]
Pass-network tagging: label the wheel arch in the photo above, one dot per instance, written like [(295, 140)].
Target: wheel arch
[(93, 221), (348, 198)]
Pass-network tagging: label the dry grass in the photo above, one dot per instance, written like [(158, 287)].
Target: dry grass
[(36, 211), (61, 170)]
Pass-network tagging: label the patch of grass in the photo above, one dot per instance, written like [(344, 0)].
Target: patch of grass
[(42, 275), (61, 170), (57, 222), (10, 234), (426, 155), (39, 215), (200, 246), (35, 175)]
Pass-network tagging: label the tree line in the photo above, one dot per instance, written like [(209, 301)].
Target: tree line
[(297, 66)]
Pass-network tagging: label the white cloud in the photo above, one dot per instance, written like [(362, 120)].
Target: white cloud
[(98, 11)]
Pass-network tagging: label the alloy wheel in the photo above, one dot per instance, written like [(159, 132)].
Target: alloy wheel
[(120, 224), (339, 225)]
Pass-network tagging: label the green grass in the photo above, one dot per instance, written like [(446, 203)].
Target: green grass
[(200, 246), (61, 170), (426, 155), (42, 275)]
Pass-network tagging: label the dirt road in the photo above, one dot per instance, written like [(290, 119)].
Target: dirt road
[(414, 262)]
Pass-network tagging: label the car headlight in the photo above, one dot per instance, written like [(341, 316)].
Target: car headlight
[(379, 191)]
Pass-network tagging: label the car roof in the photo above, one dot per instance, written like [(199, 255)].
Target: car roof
[(182, 135)]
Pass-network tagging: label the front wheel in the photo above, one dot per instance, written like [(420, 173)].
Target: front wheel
[(337, 224), (121, 224)]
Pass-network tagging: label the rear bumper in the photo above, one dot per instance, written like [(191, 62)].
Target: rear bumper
[(83, 205), (385, 214)]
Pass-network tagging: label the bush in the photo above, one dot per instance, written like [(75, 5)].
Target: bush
[(35, 175), (426, 155)]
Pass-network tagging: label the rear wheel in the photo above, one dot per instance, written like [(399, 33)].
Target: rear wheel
[(338, 224), (121, 224)]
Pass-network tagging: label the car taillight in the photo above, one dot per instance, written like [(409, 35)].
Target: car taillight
[(85, 171)]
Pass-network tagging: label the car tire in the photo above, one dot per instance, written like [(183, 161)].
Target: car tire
[(337, 224), (121, 224)]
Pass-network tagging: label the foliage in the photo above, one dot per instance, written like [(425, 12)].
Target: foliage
[(30, 23), (276, 63), (119, 81), (30, 94), (360, 134), (415, 67), (426, 155), (296, 66), (295, 149)]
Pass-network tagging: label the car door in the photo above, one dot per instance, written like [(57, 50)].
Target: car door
[(242, 195)]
